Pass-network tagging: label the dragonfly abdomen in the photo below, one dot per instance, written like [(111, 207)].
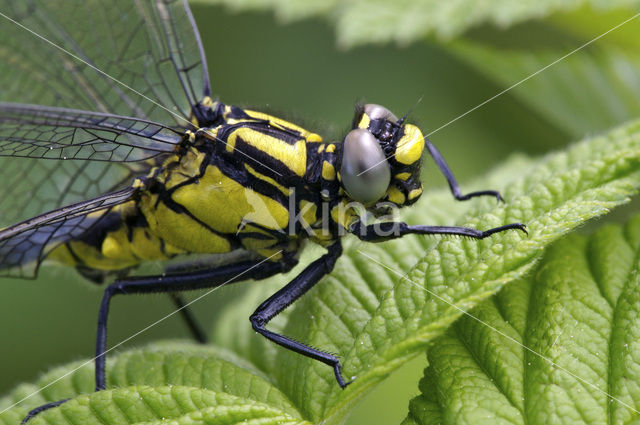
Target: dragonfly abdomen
[(119, 239)]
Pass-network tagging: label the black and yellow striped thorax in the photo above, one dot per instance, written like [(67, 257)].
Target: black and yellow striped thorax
[(253, 182)]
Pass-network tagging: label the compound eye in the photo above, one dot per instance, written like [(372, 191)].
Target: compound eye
[(364, 170), (376, 112)]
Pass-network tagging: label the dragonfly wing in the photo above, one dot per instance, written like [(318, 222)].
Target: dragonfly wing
[(134, 58), (34, 131), (100, 144), (24, 245), (50, 54)]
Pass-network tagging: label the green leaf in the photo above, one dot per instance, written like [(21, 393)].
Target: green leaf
[(163, 404), (377, 21), (377, 322), (174, 364), (588, 91), (560, 346), (364, 310)]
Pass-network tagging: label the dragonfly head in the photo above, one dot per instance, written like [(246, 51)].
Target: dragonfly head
[(381, 158)]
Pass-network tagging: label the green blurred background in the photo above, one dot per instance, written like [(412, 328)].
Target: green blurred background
[(296, 70)]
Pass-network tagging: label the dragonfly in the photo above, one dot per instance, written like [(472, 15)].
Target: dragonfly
[(118, 154)]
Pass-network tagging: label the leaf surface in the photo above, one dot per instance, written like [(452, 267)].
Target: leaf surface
[(560, 346), (365, 311), (377, 21)]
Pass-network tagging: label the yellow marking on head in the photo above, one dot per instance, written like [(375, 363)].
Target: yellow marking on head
[(294, 156), (279, 122), (331, 148), (328, 171), (395, 195), (415, 193), (410, 146), (402, 176), (267, 179), (364, 121)]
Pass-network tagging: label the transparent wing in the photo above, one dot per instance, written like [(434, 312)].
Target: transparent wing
[(151, 46), (60, 136), (24, 245), (31, 186), (35, 131), (140, 58)]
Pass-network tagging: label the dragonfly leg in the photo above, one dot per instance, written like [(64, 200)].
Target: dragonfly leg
[(42, 408), (178, 282), (391, 230), (187, 315), (276, 303), (203, 279), (453, 183)]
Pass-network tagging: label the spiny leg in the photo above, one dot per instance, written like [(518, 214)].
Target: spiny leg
[(202, 279), (391, 230), (187, 315), (453, 183), (42, 408), (276, 303)]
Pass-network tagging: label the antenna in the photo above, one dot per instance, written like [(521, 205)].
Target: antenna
[(404, 117)]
